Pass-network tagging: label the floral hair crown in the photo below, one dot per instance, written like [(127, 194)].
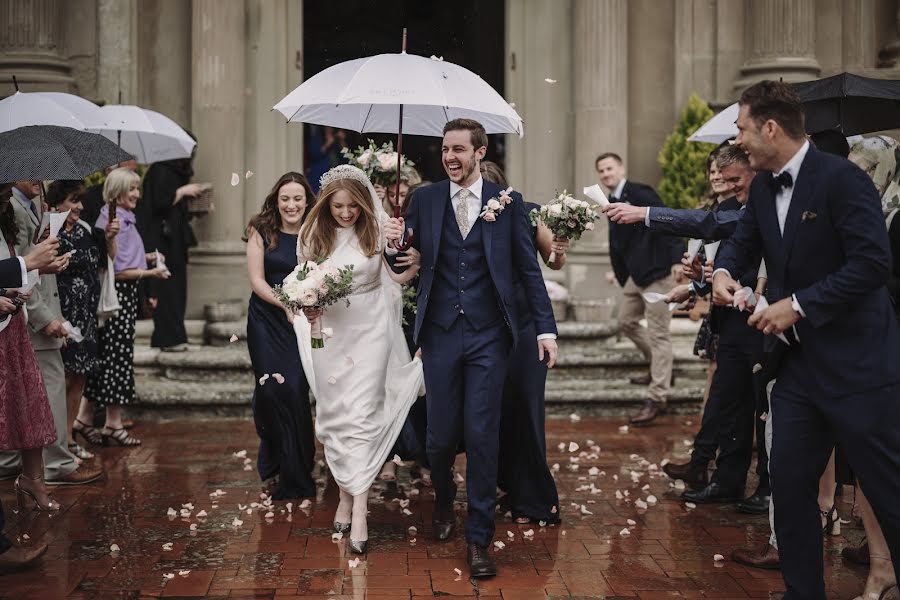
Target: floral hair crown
[(344, 172)]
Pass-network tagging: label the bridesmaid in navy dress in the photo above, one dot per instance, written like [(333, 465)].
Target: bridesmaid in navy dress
[(281, 411), (523, 474)]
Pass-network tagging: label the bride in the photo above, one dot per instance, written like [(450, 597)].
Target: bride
[(363, 379)]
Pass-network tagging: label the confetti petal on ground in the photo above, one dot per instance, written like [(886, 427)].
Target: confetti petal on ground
[(184, 572), (236, 522), (510, 534), (690, 505), (458, 478), (585, 511), (270, 515), (397, 460), (193, 527), (625, 531), (499, 545), (640, 503), (574, 417), (718, 557), (573, 446), (407, 512), (235, 179), (412, 531), (306, 503), (114, 548), (651, 499), (553, 510), (240, 453), (623, 429), (663, 462), (172, 512), (169, 576), (593, 471), (168, 546), (336, 536), (764, 417), (201, 514), (353, 563), (457, 571), (528, 533)]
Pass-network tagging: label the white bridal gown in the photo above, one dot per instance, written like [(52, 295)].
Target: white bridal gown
[(363, 379)]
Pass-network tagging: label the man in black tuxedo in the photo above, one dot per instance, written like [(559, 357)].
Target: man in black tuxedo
[(642, 262), (816, 219)]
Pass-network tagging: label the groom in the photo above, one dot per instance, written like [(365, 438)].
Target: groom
[(466, 324)]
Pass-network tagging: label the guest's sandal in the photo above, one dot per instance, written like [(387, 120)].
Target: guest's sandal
[(76, 449), (119, 436), (87, 432), (832, 521)]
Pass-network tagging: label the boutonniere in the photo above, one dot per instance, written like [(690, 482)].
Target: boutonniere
[(495, 206), (808, 216)]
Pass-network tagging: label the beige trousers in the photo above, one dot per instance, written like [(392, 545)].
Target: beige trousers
[(654, 341)]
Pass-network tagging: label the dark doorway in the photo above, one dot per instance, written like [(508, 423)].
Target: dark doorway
[(469, 33)]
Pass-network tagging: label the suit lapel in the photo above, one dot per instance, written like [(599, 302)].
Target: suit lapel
[(437, 216), (487, 228), (803, 188), (27, 204)]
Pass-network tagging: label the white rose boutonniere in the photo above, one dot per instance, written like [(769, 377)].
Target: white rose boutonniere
[(496, 205)]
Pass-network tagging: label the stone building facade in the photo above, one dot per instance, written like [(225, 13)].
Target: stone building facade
[(622, 70)]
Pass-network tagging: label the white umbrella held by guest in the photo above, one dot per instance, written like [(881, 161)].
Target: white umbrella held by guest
[(147, 134), (25, 109), (720, 128)]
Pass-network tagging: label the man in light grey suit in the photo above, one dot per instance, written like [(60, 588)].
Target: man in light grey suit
[(45, 329)]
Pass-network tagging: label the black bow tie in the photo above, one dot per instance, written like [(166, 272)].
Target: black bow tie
[(779, 182)]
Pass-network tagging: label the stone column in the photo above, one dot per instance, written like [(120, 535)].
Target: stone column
[(781, 42), (889, 56), (117, 57), (858, 36), (218, 85), (32, 46), (600, 97)]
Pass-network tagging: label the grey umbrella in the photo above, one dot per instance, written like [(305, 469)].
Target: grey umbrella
[(51, 152)]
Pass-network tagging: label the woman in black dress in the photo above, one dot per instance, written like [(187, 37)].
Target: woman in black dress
[(281, 400), (79, 291), (523, 474), (164, 224)]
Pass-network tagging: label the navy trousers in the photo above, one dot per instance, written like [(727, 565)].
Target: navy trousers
[(807, 423), (465, 369)]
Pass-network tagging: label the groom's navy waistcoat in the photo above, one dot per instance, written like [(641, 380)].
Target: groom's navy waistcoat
[(462, 281)]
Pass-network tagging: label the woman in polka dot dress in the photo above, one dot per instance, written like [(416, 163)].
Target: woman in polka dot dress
[(113, 385)]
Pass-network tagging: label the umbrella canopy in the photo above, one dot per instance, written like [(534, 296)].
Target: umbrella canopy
[(718, 129), (850, 104), (52, 152), (366, 94), (147, 134), (49, 108)]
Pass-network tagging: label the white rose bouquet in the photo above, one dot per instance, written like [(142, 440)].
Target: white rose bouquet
[(379, 163), (312, 285), (566, 217)]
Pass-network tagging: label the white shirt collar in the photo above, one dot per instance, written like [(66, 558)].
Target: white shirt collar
[(475, 188), (619, 189), (793, 166)]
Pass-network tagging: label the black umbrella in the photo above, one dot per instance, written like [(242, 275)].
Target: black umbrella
[(850, 104), (50, 152)]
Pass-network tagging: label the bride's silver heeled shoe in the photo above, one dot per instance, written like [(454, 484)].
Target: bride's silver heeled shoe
[(359, 547), (341, 527)]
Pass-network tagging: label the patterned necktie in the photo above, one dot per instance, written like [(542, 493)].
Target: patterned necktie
[(462, 212)]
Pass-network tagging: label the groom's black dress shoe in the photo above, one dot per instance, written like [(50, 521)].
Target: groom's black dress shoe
[(480, 563), (712, 494), (443, 522), (757, 504)]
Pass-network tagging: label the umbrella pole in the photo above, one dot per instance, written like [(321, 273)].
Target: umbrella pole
[(406, 240)]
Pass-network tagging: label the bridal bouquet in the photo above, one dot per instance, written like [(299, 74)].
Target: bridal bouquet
[(378, 163), (566, 217), (311, 285)]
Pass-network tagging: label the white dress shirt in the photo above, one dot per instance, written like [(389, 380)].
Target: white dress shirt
[(473, 202)]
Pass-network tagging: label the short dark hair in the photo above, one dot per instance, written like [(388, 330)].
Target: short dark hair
[(831, 141), (606, 155), (59, 190), (732, 155), (777, 101), (475, 129)]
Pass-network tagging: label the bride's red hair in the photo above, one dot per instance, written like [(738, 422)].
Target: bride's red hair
[(318, 232)]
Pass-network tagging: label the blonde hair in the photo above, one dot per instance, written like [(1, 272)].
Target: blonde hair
[(318, 233), (117, 184)]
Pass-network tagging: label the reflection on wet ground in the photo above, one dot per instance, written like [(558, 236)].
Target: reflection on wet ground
[(229, 543)]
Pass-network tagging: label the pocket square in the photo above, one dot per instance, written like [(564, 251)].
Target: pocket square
[(807, 216)]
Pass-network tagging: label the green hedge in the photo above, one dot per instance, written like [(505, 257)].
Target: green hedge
[(683, 163)]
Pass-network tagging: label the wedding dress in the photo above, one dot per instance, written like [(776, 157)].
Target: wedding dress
[(363, 379)]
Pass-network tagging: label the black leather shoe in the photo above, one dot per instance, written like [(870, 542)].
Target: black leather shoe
[(648, 413), (443, 522), (695, 476), (757, 504), (480, 563), (712, 494)]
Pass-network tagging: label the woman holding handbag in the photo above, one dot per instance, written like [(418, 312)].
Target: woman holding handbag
[(79, 292)]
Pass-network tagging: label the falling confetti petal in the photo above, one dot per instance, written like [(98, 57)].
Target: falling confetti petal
[(278, 377), (764, 417), (679, 484), (114, 548), (235, 179), (233, 338), (332, 380), (396, 460), (548, 80), (264, 378), (27, 537), (248, 174)]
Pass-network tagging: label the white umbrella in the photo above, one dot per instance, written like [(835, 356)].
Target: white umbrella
[(148, 135), (24, 109), (718, 129), (366, 94)]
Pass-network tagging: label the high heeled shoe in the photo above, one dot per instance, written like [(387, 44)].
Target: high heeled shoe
[(340, 527), (832, 525), (22, 496), (359, 547)]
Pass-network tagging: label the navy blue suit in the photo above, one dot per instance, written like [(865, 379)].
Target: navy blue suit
[(466, 324), (10, 273), (695, 222), (840, 382)]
